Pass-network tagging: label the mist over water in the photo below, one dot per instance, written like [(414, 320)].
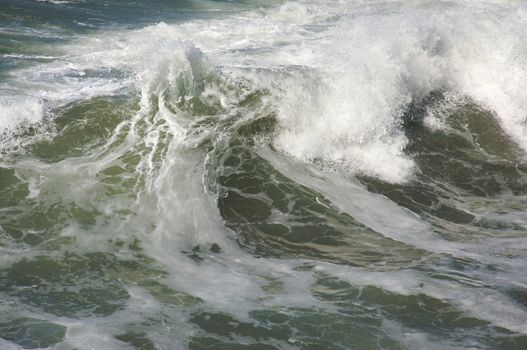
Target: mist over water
[(263, 175)]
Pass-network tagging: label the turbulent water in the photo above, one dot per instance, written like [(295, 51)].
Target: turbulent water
[(304, 174)]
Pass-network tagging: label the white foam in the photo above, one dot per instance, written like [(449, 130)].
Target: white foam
[(19, 110), (56, 2), (373, 67)]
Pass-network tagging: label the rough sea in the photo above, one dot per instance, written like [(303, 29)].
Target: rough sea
[(262, 175)]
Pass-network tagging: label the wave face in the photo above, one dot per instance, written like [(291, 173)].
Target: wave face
[(263, 175)]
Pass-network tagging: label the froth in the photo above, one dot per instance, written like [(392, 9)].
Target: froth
[(18, 110), (373, 67)]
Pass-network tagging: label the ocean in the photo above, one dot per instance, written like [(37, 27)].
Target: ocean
[(260, 175)]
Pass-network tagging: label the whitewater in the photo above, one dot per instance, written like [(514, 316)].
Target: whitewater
[(302, 174)]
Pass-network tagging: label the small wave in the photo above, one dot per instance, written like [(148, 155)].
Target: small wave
[(55, 2)]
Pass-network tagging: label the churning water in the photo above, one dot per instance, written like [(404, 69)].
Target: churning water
[(306, 174)]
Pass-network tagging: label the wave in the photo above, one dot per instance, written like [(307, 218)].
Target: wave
[(340, 76)]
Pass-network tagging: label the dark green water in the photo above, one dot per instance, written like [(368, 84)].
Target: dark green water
[(263, 175)]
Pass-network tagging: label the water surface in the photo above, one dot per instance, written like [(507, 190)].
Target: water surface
[(300, 174)]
